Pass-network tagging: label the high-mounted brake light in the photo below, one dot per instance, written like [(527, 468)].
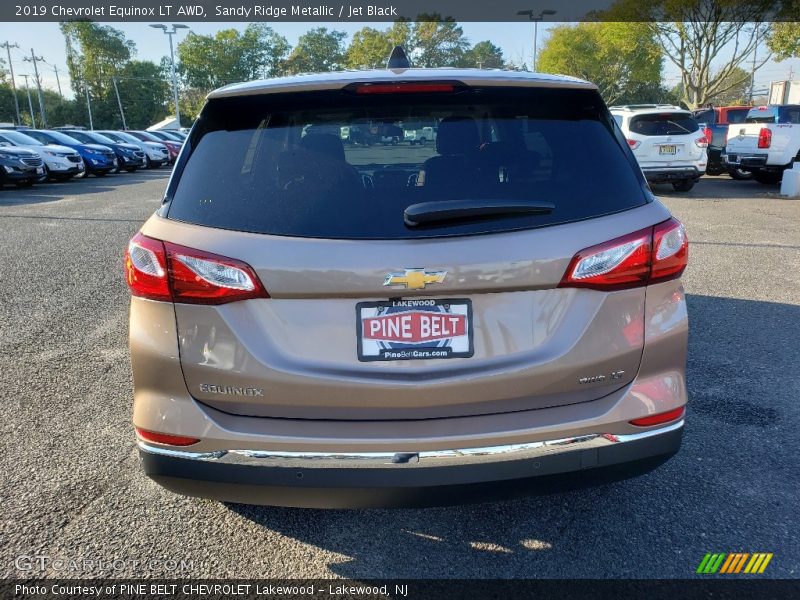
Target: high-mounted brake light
[(646, 256), (165, 438), (764, 138), (165, 271), (660, 418), (404, 88)]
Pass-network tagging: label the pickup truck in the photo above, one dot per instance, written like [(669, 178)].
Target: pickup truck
[(767, 143), (714, 121)]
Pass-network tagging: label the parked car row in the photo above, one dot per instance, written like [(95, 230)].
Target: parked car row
[(29, 155), (676, 146)]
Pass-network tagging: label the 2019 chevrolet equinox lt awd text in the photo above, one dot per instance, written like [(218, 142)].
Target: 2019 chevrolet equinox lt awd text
[(314, 324)]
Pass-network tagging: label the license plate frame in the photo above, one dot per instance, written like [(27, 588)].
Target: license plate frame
[(673, 150), (456, 346)]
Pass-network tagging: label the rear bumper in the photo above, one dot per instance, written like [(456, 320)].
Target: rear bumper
[(665, 174), (745, 160), (354, 480)]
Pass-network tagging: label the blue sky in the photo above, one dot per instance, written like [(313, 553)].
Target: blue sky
[(516, 40)]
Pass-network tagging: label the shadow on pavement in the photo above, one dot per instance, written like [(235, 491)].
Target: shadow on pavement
[(54, 191)]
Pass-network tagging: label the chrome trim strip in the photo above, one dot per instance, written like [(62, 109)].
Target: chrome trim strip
[(425, 458)]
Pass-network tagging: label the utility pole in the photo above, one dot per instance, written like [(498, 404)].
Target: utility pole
[(536, 18), (58, 81), (119, 102), (753, 70), (88, 106), (30, 104), (13, 84), (33, 59), (170, 33)]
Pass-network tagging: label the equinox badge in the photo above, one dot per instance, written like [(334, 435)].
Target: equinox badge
[(414, 279)]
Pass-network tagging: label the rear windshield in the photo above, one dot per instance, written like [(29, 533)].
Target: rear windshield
[(737, 115), (337, 164), (664, 124)]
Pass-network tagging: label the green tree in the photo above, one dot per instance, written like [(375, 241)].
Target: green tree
[(318, 50), (622, 59), (95, 54), (207, 62), (368, 49), (483, 55), (706, 40), (734, 89), (437, 42), (144, 91), (784, 39)]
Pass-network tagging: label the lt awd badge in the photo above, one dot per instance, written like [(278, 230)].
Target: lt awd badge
[(414, 279)]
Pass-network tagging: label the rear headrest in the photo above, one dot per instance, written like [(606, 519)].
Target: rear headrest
[(457, 135), (324, 143)]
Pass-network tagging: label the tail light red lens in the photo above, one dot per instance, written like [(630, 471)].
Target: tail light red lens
[(660, 418), (708, 135), (165, 271), (764, 138), (146, 268), (634, 144), (165, 438), (702, 142), (647, 256)]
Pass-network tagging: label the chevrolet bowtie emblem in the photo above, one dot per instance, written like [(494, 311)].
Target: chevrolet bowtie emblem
[(414, 279)]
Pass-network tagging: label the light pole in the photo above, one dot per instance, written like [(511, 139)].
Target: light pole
[(170, 33), (536, 18)]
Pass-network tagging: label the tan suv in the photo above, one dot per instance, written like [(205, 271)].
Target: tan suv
[(329, 325)]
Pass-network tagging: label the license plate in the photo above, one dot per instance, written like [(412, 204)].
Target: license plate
[(667, 150), (416, 329)]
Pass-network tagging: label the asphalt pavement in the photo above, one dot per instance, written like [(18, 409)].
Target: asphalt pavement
[(71, 487)]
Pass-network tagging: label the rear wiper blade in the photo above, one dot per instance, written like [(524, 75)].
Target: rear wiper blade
[(454, 210)]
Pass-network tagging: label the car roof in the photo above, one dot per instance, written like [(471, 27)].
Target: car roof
[(340, 79)]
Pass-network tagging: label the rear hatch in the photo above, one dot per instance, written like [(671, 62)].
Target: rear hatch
[(665, 139), (381, 305)]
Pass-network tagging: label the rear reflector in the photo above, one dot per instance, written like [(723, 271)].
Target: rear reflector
[(404, 88), (165, 271), (665, 417), (165, 438), (646, 256)]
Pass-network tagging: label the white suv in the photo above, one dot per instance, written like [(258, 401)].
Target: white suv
[(667, 142)]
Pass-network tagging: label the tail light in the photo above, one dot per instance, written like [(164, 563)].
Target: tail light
[(634, 144), (647, 256), (165, 271), (165, 438), (764, 138), (702, 142), (708, 134), (660, 418)]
